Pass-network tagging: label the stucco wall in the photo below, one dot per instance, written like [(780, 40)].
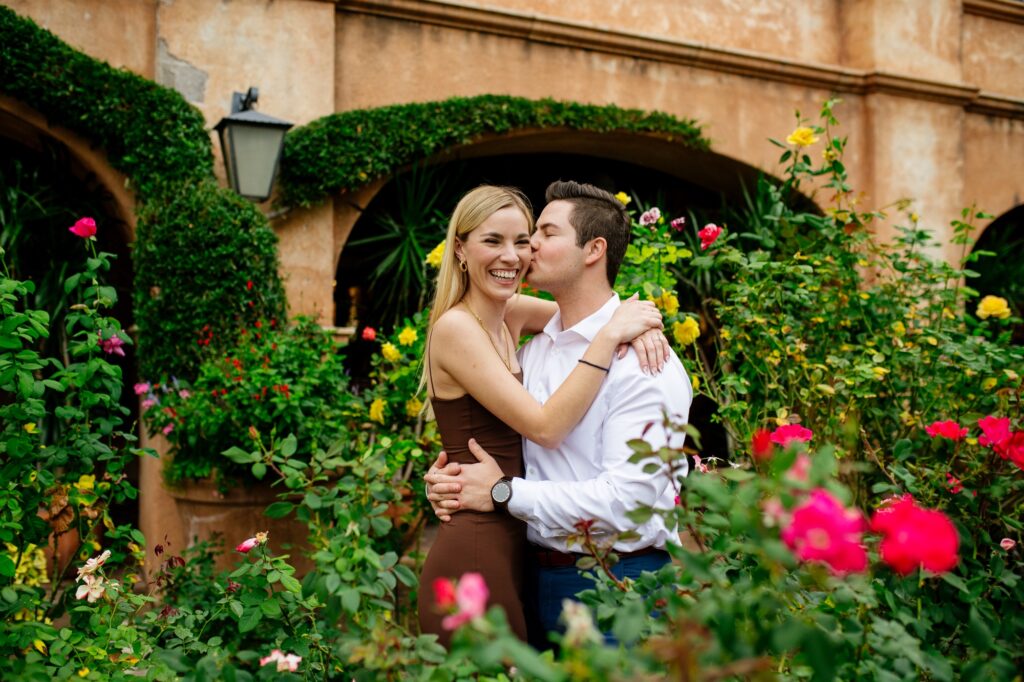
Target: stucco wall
[(803, 31), (994, 55), (122, 32)]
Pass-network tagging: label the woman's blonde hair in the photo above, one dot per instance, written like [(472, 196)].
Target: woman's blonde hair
[(472, 210)]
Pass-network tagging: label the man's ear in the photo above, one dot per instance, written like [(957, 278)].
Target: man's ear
[(594, 250)]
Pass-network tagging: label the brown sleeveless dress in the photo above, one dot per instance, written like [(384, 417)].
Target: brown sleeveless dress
[(492, 544)]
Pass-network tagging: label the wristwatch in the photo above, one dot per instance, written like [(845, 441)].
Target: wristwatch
[(501, 493)]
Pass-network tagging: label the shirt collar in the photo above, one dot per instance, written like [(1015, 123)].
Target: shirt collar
[(588, 326)]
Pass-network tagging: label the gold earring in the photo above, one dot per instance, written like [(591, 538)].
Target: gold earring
[(463, 266)]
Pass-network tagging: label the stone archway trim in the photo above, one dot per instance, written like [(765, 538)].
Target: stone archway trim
[(86, 153)]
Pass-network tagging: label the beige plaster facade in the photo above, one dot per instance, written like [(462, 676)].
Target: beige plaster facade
[(933, 90)]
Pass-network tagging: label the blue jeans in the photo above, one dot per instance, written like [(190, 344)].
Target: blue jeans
[(555, 584)]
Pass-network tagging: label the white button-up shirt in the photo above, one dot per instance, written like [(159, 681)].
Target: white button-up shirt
[(589, 475)]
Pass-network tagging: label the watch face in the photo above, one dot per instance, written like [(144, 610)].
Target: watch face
[(501, 492)]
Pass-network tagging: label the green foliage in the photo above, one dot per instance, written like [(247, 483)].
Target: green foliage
[(57, 484), (148, 132), (187, 226), (345, 151), (270, 383), (205, 268)]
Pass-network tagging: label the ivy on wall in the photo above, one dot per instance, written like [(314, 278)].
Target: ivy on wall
[(197, 245), (345, 151)]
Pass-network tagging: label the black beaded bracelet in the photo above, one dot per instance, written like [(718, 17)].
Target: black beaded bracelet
[(591, 364)]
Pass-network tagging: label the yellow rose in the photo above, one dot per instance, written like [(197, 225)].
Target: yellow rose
[(624, 198), (29, 427), (413, 407), (695, 382), (879, 372), (408, 336), (898, 328), (667, 302), (686, 332), (377, 411), (993, 306), (390, 353), (802, 137), (434, 257)]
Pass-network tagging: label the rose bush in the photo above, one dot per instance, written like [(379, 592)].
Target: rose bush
[(861, 521)]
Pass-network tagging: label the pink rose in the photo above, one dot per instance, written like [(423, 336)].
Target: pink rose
[(678, 224), (823, 530), (995, 431), (913, 536), (285, 662), (148, 403), (83, 227), (946, 429), (650, 217), (471, 598), (708, 235), (1013, 449), (801, 469), (112, 346), (167, 429), (142, 388), (784, 435), (955, 486), (369, 334), (247, 545), (1007, 544)]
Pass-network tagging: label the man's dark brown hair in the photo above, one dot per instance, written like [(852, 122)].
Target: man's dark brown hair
[(595, 213)]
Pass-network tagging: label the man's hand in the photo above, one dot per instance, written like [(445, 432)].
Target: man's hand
[(441, 467), (469, 490)]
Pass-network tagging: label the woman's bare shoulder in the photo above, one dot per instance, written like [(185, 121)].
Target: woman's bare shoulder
[(453, 325)]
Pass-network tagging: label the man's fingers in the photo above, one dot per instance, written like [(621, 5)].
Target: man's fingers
[(453, 469), (478, 452), (445, 487)]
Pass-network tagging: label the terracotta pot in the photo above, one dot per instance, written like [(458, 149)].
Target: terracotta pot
[(235, 515)]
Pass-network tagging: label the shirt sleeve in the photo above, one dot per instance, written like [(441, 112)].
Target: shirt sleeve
[(552, 508)]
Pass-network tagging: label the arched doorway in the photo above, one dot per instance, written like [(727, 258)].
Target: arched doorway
[(677, 178), (1002, 274), (47, 185)]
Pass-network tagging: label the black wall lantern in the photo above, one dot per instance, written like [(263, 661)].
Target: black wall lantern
[(252, 144)]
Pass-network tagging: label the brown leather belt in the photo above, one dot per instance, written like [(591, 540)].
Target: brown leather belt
[(549, 558)]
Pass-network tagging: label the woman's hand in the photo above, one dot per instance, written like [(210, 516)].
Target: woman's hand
[(652, 349), (632, 318)]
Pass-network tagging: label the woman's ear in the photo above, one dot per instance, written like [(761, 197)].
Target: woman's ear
[(458, 250), (594, 250)]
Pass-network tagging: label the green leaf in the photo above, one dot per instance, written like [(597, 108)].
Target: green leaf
[(237, 454), (279, 510), (6, 567), (350, 599), (978, 632), (270, 608), (250, 619), (259, 470), (291, 584), (236, 608), (289, 445)]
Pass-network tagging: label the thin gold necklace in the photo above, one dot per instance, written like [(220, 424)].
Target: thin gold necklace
[(502, 356)]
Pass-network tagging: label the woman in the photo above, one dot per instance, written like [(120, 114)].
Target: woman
[(477, 392)]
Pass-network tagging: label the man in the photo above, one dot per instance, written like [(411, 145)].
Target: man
[(578, 246)]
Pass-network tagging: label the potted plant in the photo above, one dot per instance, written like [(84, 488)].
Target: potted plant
[(272, 383)]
